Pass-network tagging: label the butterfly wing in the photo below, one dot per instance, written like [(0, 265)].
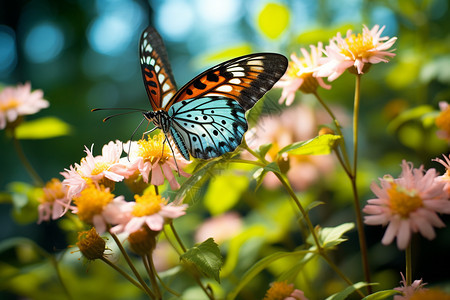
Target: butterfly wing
[(207, 127), (156, 72), (244, 79)]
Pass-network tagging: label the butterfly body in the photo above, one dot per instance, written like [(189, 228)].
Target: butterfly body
[(206, 117)]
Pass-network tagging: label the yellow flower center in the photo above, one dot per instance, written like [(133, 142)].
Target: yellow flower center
[(53, 190), (279, 291), (12, 103), (147, 204), (91, 202), (357, 46), (100, 167), (403, 201), (430, 294), (443, 121), (154, 148), (292, 70)]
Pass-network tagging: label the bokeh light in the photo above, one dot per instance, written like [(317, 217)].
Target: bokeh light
[(44, 42), (175, 19), (8, 51)]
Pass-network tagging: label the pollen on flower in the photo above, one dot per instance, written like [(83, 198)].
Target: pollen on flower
[(154, 149), (279, 291), (357, 46), (147, 204), (100, 167), (92, 201), (403, 201)]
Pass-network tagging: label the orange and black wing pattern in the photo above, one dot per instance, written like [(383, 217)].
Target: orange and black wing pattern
[(156, 72), (244, 79)]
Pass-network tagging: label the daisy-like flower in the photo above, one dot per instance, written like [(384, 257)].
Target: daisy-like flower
[(95, 206), (149, 209), (409, 290), (54, 202), (221, 228), (446, 177), (358, 51), (154, 160), (300, 74), (103, 169), (281, 290), (443, 121), (408, 204), (19, 101)]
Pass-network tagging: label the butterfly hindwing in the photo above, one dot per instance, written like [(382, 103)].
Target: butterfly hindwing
[(208, 127), (156, 72), (244, 79)]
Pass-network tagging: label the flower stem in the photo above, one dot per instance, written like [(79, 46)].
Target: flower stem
[(353, 177), (408, 264), (26, 163), (345, 162), (194, 272), (122, 272), (147, 261), (150, 259), (132, 267)]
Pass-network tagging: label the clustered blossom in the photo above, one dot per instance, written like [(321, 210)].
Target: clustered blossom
[(87, 188), (354, 52), (19, 101), (408, 204)]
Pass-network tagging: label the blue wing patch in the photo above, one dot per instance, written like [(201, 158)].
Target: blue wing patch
[(208, 127)]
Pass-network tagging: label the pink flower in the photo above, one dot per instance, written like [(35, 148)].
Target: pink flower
[(221, 228), (300, 74), (54, 202), (408, 290), (19, 101), (95, 205), (154, 160), (297, 123), (408, 204), (102, 169), (446, 177), (355, 51), (149, 209), (282, 290)]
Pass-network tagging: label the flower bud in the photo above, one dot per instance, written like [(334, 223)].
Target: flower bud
[(91, 244)]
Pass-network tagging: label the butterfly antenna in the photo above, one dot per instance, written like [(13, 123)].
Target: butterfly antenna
[(133, 110), (173, 154), (131, 138)]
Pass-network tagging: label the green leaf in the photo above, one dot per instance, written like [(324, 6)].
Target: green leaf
[(43, 128), (272, 167), (347, 291), (332, 236), (273, 19), (25, 201), (415, 113), (263, 149), (320, 145), (259, 266), (228, 187), (381, 295), (206, 257)]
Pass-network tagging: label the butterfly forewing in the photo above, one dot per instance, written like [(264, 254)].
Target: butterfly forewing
[(208, 127), (244, 79), (156, 72)]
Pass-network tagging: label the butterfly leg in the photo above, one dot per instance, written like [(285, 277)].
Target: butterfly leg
[(166, 139)]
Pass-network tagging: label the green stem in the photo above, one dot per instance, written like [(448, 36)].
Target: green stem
[(160, 280), (194, 272), (177, 237), (359, 219), (146, 260), (34, 175), (122, 272), (132, 267), (58, 274), (345, 162), (408, 264)]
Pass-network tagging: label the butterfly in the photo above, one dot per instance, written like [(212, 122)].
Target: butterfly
[(206, 117)]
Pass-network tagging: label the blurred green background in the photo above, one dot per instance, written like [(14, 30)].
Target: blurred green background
[(83, 54)]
